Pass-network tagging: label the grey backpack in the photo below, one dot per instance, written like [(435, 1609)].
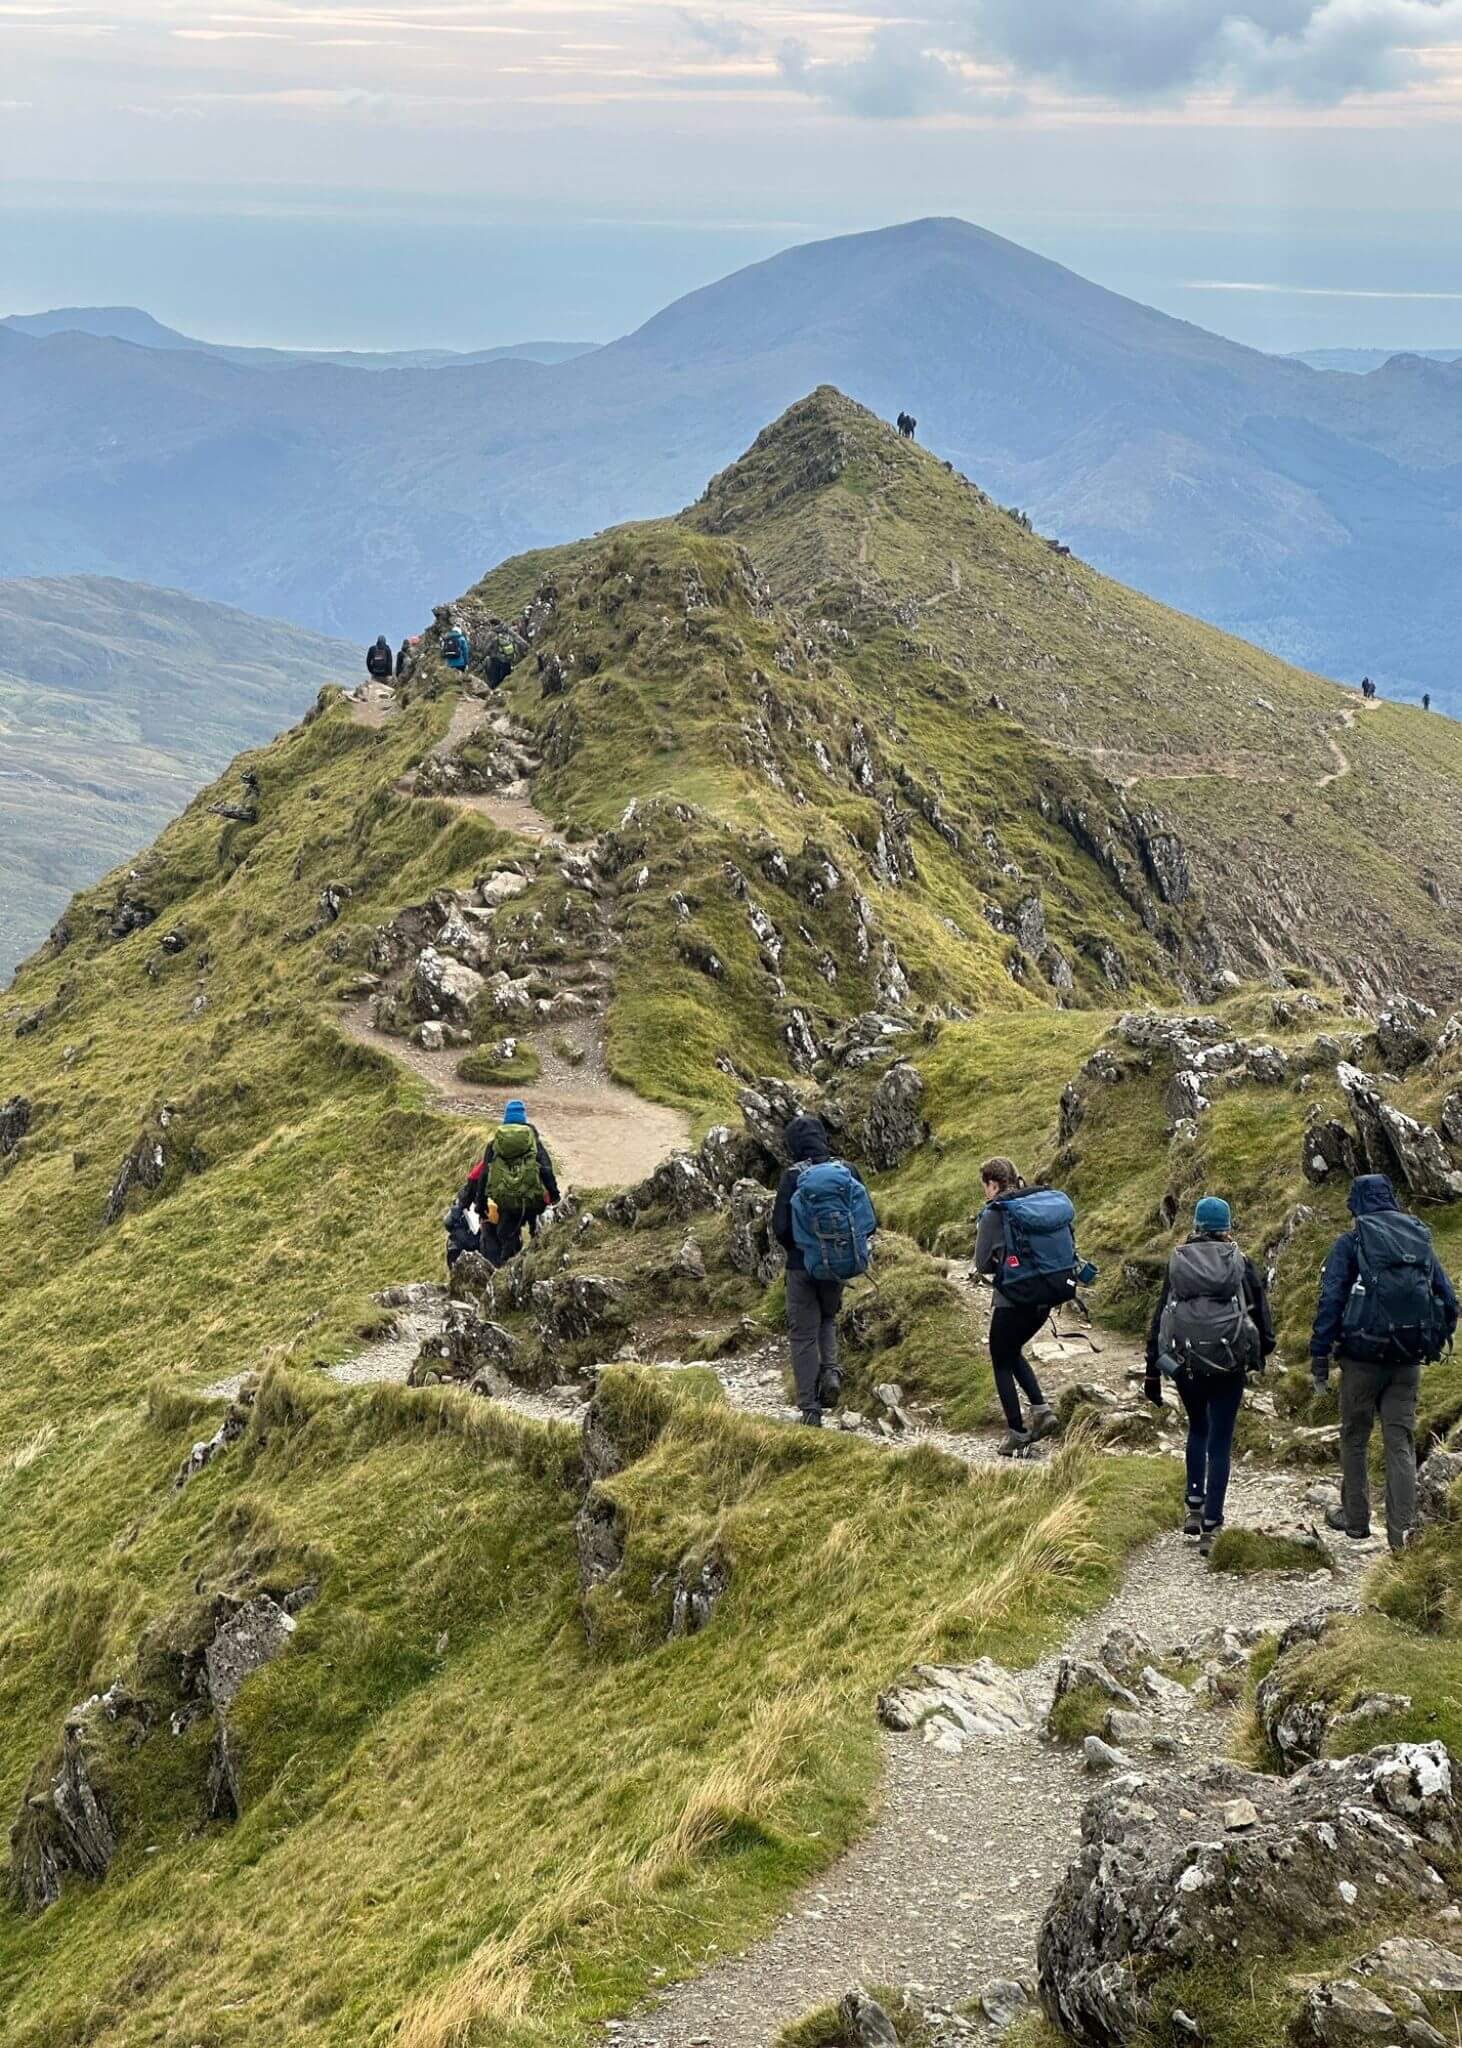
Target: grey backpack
[(1206, 1327)]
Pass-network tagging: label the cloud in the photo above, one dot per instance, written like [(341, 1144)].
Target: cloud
[(1308, 291), (719, 33), (1319, 51), (894, 79)]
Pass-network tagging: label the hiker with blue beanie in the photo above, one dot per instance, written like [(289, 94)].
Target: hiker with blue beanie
[(823, 1218), (1210, 1332), (507, 1192), (1386, 1309)]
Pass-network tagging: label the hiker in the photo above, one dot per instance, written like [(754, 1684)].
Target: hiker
[(403, 656), (1026, 1248), (1210, 1331), (1426, 700), (1386, 1308), (507, 1191), (502, 655), (378, 660), (823, 1218), (456, 649)]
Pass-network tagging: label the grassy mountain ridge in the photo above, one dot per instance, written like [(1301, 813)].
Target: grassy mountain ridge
[(464, 1816), (1314, 511), (115, 702)]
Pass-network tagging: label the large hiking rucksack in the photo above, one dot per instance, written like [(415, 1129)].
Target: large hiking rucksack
[(1206, 1328), (830, 1221), (378, 661), (1392, 1315), (514, 1181), (1040, 1264), (456, 648)]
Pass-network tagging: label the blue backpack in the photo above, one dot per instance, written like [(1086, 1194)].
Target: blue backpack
[(832, 1221), (456, 648), (1040, 1264), (1392, 1314)]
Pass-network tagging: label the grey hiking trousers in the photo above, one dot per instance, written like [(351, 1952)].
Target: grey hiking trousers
[(1390, 1392), (812, 1325)]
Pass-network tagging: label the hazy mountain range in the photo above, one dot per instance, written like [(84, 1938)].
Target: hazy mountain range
[(1360, 361), (1315, 512), (116, 702)]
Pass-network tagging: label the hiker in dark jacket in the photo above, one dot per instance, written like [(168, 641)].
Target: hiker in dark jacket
[(1368, 1387), (499, 1232), (812, 1305), (378, 660), (403, 657), (1013, 1323), (1212, 1399)]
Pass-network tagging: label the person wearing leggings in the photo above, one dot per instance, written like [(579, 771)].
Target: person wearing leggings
[(1012, 1325)]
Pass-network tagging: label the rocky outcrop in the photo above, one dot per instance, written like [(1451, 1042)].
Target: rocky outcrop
[(951, 1702), (894, 1128), (470, 1348), (599, 1539), (1393, 1143), (578, 1308), (1166, 1878), (699, 1590), (145, 1166), (864, 2023), (1437, 1498), (445, 989), (248, 1637), (751, 1247), (15, 1121), (1406, 1033), (1393, 1993), (228, 1432), (67, 1826)]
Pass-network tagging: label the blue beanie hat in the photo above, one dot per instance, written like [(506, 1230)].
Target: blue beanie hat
[(515, 1113), (1212, 1213)]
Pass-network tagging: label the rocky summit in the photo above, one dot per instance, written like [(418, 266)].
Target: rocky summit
[(481, 1660)]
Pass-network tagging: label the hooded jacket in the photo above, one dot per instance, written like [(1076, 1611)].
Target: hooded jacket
[(806, 1140), (1370, 1195)]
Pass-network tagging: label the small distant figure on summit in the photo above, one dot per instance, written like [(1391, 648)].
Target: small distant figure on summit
[(378, 660), (907, 426), (1368, 689), (1426, 700)]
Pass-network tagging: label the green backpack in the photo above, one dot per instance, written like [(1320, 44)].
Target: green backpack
[(513, 1179)]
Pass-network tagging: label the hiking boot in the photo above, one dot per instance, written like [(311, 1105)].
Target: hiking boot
[(1014, 1444), (1335, 1519), (812, 1419), (830, 1386), (1193, 1522), (1044, 1422), (1206, 1538), (1401, 1542)]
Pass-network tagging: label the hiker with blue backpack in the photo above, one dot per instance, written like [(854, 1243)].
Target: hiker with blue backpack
[(823, 1218), (1386, 1309), (1210, 1333), (1025, 1246), (456, 649)]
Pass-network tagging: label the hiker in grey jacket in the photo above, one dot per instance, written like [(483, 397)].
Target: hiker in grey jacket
[(812, 1305), (1212, 1398)]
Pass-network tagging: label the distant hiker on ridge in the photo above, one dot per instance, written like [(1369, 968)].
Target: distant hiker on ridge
[(906, 424), (823, 1218), (1386, 1308), (1426, 700), (456, 649), (378, 660), (403, 656), (507, 1192), (1025, 1247), (1210, 1330)]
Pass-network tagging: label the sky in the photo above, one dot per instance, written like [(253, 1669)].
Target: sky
[(400, 173)]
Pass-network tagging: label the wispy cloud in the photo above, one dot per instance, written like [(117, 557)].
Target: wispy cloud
[(1308, 291)]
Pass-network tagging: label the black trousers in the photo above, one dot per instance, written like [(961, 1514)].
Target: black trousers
[(1011, 1328)]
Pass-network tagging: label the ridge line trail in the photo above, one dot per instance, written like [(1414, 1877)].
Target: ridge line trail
[(947, 1888), (1127, 766)]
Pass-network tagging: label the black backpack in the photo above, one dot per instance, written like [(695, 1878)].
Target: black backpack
[(1206, 1328), (1392, 1315)]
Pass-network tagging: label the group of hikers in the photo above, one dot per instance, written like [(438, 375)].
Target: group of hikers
[(1386, 1306), (500, 652)]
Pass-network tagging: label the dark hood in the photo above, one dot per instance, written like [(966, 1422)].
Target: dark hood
[(806, 1140), (1370, 1193)]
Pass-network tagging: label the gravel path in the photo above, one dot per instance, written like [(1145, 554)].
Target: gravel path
[(949, 1887)]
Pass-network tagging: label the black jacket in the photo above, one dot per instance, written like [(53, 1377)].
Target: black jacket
[(806, 1140), (1256, 1300), (1371, 1194), (378, 661)]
